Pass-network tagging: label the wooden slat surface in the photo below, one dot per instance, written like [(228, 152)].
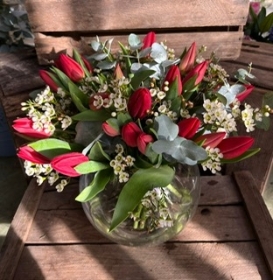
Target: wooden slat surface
[(105, 15)]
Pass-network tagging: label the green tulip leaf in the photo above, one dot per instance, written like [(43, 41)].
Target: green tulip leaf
[(80, 99), (133, 191), (91, 166), (173, 90), (79, 59), (89, 115), (140, 76), (62, 78), (99, 182), (52, 147), (97, 153)]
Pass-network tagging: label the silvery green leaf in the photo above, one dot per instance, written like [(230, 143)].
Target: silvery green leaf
[(168, 63), (144, 53), (87, 132), (230, 92), (134, 41), (166, 129), (96, 46), (135, 67), (99, 56), (242, 73), (158, 53), (158, 71), (106, 64)]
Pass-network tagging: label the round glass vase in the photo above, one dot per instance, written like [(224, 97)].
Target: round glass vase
[(160, 216)]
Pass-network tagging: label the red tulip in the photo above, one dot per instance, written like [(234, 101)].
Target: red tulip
[(188, 59), (65, 163), (244, 94), (173, 75), (129, 134), (142, 141), (233, 147), (188, 127), (110, 130), (87, 64), (27, 153), (140, 103), (25, 127), (47, 78), (211, 139), (70, 67), (148, 40), (198, 72)]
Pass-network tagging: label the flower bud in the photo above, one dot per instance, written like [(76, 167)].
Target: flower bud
[(174, 76), (148, 40), (197, 73), (29, 154), (233, 147), (143, 140), (47, 78), (118, 72), (244, 94), (129, 134), (110, 130), (188, 127), (70, 67), (140, 102), (211, 139), (65, 163), (188, 59), (25, 127)]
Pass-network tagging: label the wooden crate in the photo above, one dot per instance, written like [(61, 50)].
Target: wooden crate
[(63, 25)]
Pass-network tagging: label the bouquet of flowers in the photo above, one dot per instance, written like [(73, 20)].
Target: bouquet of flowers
[(131, 115)]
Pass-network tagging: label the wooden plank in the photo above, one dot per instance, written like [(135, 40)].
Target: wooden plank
[(19, 230), (105, 15), (258, 212), (225, 44), (223, 261)]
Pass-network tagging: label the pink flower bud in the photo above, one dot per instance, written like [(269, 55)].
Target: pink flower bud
[(143, 140), (70, 67), (244, 94), (140, 102), (65, 163), (173, 75), (233, 147), (198, 72), (118, 72), (188, 59), (129, 134), (188, 127), (109, 130), (46, 77), (211, 139), (29, 154), (148, 40), (25, 127)]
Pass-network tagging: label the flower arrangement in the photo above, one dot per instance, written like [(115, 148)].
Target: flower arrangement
[(131, 115)]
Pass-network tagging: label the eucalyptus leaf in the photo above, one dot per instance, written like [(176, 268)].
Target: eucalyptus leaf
[(139, 77), (96, 45), (158, 53), (99, 56), (106, 64), (134, 41), (91, 166), (98, 184), (133, 191), (166, 129)]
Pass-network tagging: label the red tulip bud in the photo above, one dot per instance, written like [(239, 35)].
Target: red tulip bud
[(25, 126), (65, 163), (142, 141), (140, 103), (110, 130), (29, 154), (47, 78), (188, 127), (70, 67), (173, 75), (188, 59), (87, 64), (211, 139), (198, 72), (148, 40), (235, 146), (244, 94), (129, 134)]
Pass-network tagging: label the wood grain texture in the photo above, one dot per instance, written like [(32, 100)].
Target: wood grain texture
[(105, 15), (223, 261), (19, 230), (263, 226)]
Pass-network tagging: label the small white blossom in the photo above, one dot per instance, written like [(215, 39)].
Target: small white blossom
[(66, 122)]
